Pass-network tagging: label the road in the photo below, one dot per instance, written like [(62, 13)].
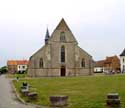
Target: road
[(7, 96)]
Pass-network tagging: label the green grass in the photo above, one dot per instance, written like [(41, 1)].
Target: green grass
[(16, 75), (83, 92)]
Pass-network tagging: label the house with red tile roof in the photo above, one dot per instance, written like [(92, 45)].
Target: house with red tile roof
[(99, 66), (17, 66), (108, 65), (112, 64)]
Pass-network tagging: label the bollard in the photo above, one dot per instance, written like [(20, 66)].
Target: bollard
[(24, 88), (58, 101), (113, 100), (32, 96)]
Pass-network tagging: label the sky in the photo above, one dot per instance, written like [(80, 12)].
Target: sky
[(98, 25)]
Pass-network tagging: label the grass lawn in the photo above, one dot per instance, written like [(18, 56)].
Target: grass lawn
[(16, 75), (83, 92)]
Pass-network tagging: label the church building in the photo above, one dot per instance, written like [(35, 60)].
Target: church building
[(60, 56)]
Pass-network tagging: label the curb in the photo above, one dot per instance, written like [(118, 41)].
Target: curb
[(16, 94), (21, 100)]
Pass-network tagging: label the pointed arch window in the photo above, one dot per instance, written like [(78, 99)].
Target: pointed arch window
[(41, 63), (83, 63), (62, 37), (62, 54)]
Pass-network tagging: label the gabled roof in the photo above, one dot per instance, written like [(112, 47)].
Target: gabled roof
[(22, 62), (11, 62), (99, 63), (17, 62), (110, 59), (62, 25), (123, 53)]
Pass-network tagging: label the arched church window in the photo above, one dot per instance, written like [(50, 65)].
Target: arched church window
[(83, 63), (41, 63), (123, 60), (62, 36), (62, 54)]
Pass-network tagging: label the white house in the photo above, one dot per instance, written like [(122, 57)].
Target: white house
[(22, 66), (122, 61), (99, 66)]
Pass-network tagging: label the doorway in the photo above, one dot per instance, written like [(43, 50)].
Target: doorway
[(63, 71)]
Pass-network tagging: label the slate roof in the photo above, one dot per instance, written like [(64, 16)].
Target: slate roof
[(123, 53), (47, 34)]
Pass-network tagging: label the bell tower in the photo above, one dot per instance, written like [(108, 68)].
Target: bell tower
[(47, 36)]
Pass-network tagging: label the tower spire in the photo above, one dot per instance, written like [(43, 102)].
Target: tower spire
[(47, 36)]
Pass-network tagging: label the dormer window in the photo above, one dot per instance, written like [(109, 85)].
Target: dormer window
[(62, 37)]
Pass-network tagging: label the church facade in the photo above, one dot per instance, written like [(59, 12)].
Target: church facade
[(60, 56)]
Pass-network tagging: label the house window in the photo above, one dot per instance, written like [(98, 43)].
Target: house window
[(62, 54), (83, 63), (23, 67), (41, 63), (62, 36)]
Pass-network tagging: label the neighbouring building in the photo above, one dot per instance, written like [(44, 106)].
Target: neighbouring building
[(60, 56), (22, 66), (122, 61), (17, 66), (12, 66), (112, 64), (108, 65), (99, 66)]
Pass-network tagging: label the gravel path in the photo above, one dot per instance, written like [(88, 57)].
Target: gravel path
[(7, 97)]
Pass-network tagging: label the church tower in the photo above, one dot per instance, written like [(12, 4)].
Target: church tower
[(122, 61), (47, 36)]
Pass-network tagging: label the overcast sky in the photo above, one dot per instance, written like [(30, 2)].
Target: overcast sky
[(98, 25)]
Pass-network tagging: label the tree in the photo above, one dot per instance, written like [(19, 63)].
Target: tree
[(3, 69)]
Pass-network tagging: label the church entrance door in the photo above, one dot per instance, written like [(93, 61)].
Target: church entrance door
[(63, 71)]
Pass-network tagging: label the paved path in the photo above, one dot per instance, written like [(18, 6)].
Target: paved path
[(7, 97)]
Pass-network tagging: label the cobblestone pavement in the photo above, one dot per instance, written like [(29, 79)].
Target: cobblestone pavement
[(7, 96)]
